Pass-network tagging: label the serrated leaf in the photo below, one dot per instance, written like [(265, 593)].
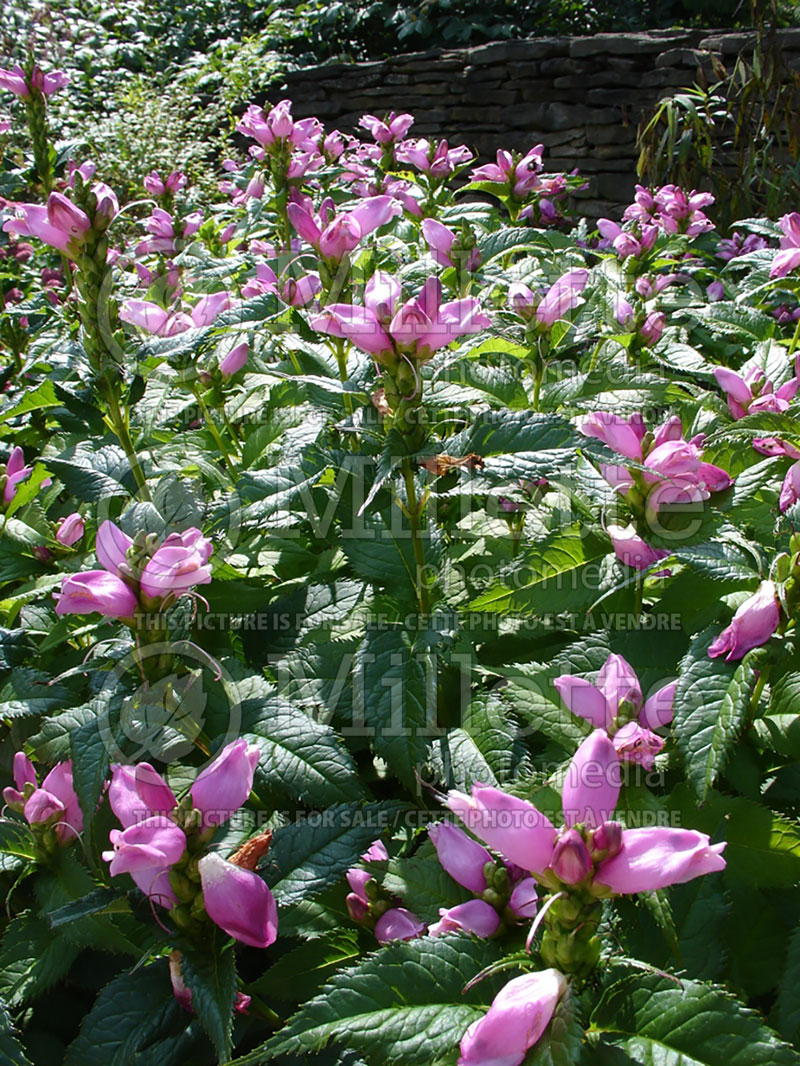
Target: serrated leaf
[(210, 975), (562, 1042), (298, 975), (11, 1054), (393, 699), (686, 1023), (788, 1006), (306, 857), (405, 1004), (301, 758), (91, 762), (32, 959), (711, 706), (126, 1017)]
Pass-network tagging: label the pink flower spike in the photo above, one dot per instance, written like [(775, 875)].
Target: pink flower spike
[(95, 591), (591, 787), (637, 745), (619, 684), (147, 850), (153, 790)]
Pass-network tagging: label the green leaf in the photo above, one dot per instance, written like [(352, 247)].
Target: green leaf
[(30, 692), (405, 1004), (301, 759), (32, 400), (711, 706), (210, 975), (91, 762), (99, 901), (127, 1016), (32, 959), (789, 991), (11, 1054), (298, 974), (306, 857), (84, 482), (558, 571), (393, 701), (686, 1023)]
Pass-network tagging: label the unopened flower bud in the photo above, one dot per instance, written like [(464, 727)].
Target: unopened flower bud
[(606, 840), (571, 861)]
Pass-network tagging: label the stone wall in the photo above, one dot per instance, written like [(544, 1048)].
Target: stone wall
[(583, 97)]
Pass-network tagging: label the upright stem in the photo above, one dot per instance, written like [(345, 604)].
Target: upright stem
[(423, 595), (340, 352), (215, 433), (119, 424)]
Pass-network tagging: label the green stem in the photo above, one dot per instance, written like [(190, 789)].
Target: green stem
[(119, 424), (795, 338), (423, 594), (215, 433), (340, 352)]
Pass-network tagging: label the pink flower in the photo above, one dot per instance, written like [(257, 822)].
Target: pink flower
[(591, 788), (438, 161), (715, 291), (621, 435), (524, 898), (147, 850), (624, 242), (562, 297), (630, 549), (657, 857), (154, 319), (440, 241), (510, 825), (517, 1018), (70, 530), (15, 472), (461, 856), (180, 563), (571, 861), (652, 327), (334, 239), (390, 130), (60, 224), (788, 258), (139, 792), (111, 548), (224, 785), (753, 624), (520, 175), (95, 591), (238, 901), (54, 804), (235, 359), (754, 392), (23, 85), (398, 924), (385, 328), (474, 916), (635, 744), (790, 490)]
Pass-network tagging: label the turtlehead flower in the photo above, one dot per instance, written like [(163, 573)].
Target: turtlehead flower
[(516, 1020), (333, 236), (238, 901), (398, 924), (625, 242), (70, 530), (51, 805), (386, 329), (235, 360), (60, 224), (753, 624), (615, 704), (788, 258), (675, 471), (437, 160), (440, 241), (632, 550), (620, 861), (158, 186), (24, 84), (153, 319), (735, 245), (790, 490), (389, 130), (518, 174), (276, 127), (475, 916), (15, 472), (752, 391)]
